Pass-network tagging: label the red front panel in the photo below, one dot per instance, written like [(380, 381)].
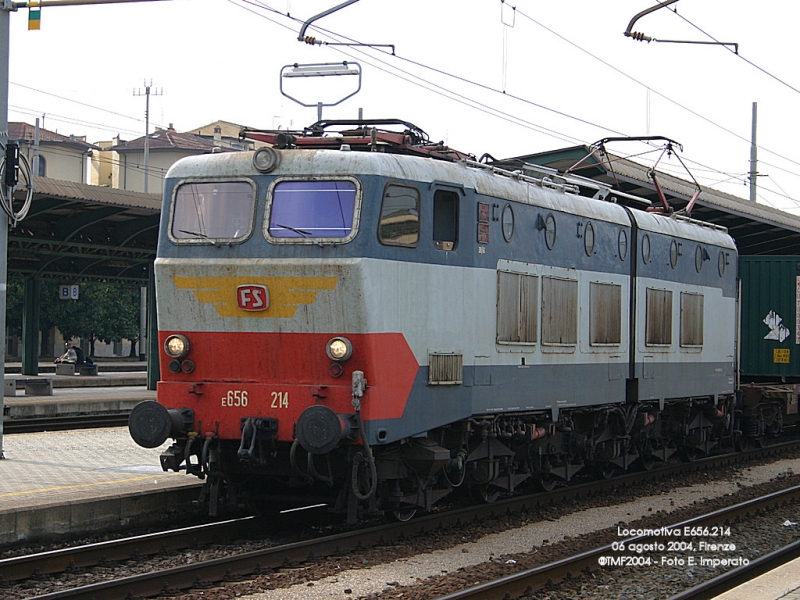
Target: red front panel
[(278, 375)]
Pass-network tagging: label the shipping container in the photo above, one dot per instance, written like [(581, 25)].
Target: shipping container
[(770, 319)]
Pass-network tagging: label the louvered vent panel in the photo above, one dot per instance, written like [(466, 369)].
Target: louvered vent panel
[(445, 369)]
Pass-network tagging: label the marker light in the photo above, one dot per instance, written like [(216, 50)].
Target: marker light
[(176, 346), (339, 348)]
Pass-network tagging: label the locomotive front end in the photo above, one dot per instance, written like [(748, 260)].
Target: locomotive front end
[(266, 350)]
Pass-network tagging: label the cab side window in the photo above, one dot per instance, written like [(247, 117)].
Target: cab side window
[(399, 224), (445, 220)]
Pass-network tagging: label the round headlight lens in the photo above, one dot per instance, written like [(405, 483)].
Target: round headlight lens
[(176, 346), (265, 159), (339, 349)]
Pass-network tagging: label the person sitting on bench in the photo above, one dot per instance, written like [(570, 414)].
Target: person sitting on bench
[(82, 358), (74, 355), (70, 356)]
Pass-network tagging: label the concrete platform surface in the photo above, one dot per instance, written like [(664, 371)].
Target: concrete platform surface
[(81, 400), (783, 583), (105, 364), (84, 481)]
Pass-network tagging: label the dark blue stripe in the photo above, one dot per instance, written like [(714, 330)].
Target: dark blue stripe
[(527, 243), (544, 387)]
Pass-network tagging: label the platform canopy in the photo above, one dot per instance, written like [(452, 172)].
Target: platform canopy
[(758, 229), (77, 232)]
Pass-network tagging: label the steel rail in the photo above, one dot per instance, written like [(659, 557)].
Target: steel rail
[(154, 583), (65, 422), (23, 567), (736, 577), (530, 580)]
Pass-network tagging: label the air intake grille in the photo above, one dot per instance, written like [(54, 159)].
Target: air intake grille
[(445, 369)]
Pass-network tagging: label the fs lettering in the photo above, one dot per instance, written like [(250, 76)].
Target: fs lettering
[(252, 297)]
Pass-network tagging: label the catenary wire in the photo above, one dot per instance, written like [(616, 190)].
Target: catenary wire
[(737, 54), (465, 80), (505, 93)]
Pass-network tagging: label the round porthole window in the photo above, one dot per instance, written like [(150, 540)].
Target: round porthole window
[(588, 239), (508, 222), (721, 263), (673, 254), (646, 249), (698, 259), (622, 244), (550, 231)]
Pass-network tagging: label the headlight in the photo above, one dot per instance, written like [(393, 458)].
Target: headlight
[(176, 346), (265, 159), (339, 348)]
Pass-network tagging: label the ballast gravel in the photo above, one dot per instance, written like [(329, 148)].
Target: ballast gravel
[(415, 570)]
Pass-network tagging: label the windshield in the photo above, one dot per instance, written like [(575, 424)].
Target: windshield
[(217, 210), (312, 209)]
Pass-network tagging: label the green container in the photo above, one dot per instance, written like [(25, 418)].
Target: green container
[(770, 330)]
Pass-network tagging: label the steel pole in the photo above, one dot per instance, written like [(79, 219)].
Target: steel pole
[(147, 139), (753, 156), (5, 20)]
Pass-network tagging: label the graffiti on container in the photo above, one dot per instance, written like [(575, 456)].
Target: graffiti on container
[(776, 330)]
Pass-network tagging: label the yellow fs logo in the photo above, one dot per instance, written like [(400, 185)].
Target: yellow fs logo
[(269, 297)]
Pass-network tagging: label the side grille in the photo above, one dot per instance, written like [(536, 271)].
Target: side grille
[(445, 368)]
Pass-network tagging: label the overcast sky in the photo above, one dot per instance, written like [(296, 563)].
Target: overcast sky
[(569, 75)]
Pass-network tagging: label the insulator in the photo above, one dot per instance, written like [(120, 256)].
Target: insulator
[(311, 40), (639, 37)]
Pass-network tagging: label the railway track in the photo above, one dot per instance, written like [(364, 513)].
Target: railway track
[(65, 422), (243, 564), (526, 583), (731, 579)]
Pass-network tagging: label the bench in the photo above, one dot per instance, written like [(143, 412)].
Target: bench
[(34, 386), (87, 369), (65, 368)]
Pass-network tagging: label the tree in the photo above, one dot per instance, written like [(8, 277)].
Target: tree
[(119, 315), (48, 294), (14, 301), (103, 311)]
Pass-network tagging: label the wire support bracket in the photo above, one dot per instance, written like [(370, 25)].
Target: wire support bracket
[(641, 37)]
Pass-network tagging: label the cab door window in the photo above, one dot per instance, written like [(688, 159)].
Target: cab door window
[(445, 220)]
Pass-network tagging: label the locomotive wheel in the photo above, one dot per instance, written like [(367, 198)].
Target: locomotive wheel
[(647, 463), (606, 471), (405, 513), (485, 494), (689, 453), (546, 483)]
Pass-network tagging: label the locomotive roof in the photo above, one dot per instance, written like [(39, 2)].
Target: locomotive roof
[(508, 186), (548, 191), (757, 228)]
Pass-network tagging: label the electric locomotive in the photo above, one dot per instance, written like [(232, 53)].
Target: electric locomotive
[(369, 319)]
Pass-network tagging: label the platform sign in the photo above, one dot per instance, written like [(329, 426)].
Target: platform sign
[(68, 292)]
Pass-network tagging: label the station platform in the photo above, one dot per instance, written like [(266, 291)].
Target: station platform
[(782, 583), (120, 365), (85, 481), (114, 388)]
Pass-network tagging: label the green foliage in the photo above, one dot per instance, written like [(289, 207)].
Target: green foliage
[(104, 312), (48, 301), (14, 298)]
